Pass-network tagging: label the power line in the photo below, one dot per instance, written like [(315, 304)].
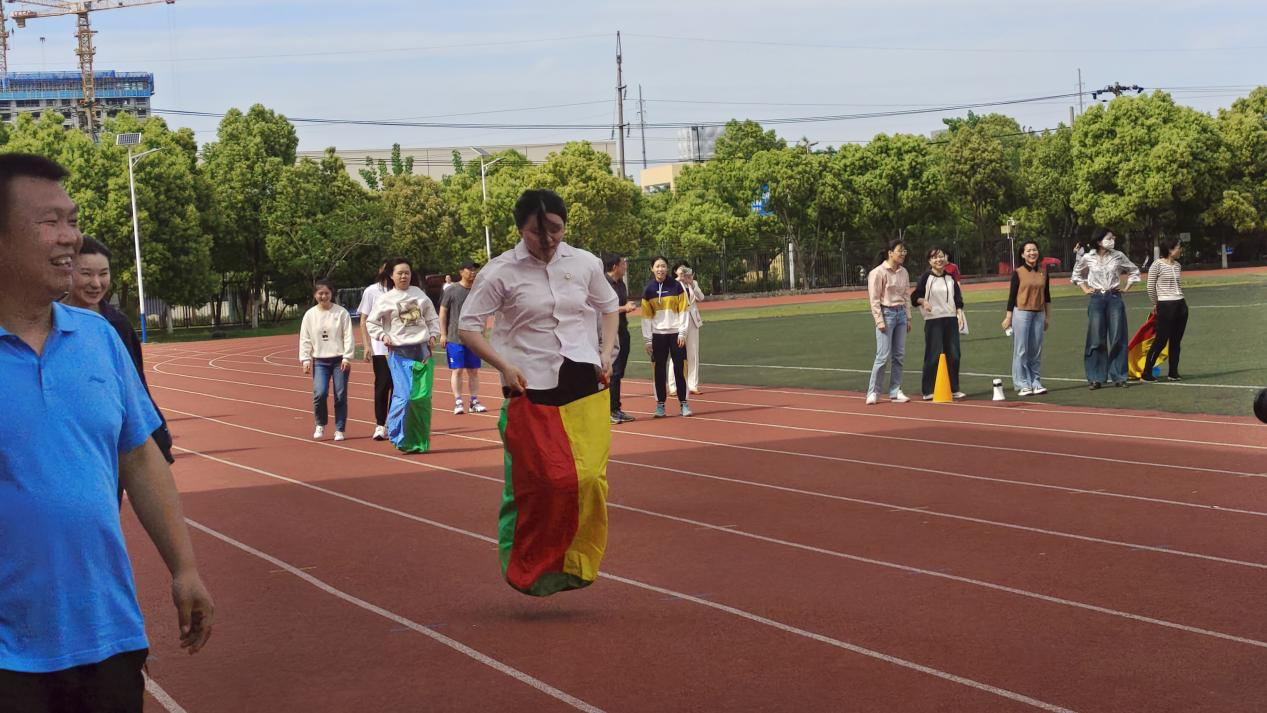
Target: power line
[(658, 125), (962, 50)]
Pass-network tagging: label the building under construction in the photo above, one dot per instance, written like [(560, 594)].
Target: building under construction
[(63, 92)]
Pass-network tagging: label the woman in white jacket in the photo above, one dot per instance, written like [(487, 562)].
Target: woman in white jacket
[(326, 349), (406, 322), (686, 276)]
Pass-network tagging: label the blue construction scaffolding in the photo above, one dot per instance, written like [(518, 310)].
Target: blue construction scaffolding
[(110, 84)]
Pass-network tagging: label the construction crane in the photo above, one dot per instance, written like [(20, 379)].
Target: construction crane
[(84, 33)]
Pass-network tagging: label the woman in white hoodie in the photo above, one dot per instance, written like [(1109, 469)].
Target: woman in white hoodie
[(326, 349), (406, 322)]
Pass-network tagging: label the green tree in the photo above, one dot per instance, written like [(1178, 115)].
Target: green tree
[(319, 219), (376, 173), (899, 185), (244, 166), (422, 224), (507, 179), (1243, 203), (744, 139), (980, 175), (1047, 176), (1146, 164)]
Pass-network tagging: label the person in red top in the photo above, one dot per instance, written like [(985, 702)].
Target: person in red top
[(952, 270)]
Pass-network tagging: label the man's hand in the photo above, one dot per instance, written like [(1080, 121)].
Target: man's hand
[(444, 339), (307, 367), (194, 609)]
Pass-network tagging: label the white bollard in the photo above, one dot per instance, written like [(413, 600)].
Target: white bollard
[(998, 390)]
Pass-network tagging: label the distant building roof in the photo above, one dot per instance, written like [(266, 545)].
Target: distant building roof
[(109, 84)]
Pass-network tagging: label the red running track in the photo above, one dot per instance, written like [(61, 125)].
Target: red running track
[(784, 550)]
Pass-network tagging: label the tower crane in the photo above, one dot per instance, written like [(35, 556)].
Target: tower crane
[(81, 10)]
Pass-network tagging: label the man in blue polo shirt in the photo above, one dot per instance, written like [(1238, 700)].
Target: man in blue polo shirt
[(71, 634)]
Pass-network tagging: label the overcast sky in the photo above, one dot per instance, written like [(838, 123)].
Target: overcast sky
[(697, 60)]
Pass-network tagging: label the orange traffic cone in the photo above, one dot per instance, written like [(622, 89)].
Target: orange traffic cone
[(941, 392)]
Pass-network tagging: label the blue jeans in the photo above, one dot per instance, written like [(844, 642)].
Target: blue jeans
[(890, 345), (325, 370), (1105, 355), (1027, 348)]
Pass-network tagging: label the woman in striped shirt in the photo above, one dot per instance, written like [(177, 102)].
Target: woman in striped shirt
[(1169, 306)]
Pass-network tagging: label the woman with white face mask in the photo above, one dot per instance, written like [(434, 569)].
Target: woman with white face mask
[(1099, 274)]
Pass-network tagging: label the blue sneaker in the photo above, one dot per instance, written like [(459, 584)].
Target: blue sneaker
[(659, 410), (686, 410)]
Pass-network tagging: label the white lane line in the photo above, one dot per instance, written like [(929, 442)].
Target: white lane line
[(734, 530), (454, 644), (167, 702), (934, 513), (879, 436), (772, 623)]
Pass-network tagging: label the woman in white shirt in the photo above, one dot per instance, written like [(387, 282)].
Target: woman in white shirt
[(940, 302), (326, 349), (407, 324), (376, 351), (686, 276), (1166, 294), (1098, 273)]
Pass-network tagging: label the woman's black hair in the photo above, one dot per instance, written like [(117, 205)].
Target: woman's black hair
[(323, 282), (1097, 236), (1020, 253), (536, 203), (894, 244), (390, 265), (937, 249), (385, 270), (1167, 243), (93, 246)]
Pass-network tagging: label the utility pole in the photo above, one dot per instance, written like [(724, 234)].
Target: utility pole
[(1116, 89), (642, 120), (620, 110), (1080, 109)]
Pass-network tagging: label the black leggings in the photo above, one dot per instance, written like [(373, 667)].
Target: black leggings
[(382, 389), (1172, 320), (664, 347)]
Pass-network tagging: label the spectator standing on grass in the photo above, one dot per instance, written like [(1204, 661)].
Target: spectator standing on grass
[(90, 290), (940, 302), (1099, 274), (888, 287), (462, 361), (406, 322), (1028, 316), (665, 321), (71, 633), (685, 274), (1166, 294), (616, 267), (376, 351), (326, 350)]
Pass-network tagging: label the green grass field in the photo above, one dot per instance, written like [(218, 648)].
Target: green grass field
[(831, 345)]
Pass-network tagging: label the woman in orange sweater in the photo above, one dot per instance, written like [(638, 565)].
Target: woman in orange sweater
[(1028, 316)]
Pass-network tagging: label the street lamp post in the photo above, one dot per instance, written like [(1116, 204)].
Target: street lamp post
[(131, 140), (488, 240)]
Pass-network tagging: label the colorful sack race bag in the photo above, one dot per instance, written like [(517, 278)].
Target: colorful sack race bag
[(553, 524), (409, 418)]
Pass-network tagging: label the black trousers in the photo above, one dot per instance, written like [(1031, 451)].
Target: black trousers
[(1172, 320), (382, 389), (941, 336), (663, 348), (111, 686), (618, 368), (576, 381)]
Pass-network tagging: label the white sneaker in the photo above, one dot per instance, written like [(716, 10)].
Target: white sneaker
[(380, 433), (1024, 392), (872, 398), (458, 410), (959, 395), (319, 432), (1040, 390), (338, 436), (926, 397), (477, 407), (899, 397)]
